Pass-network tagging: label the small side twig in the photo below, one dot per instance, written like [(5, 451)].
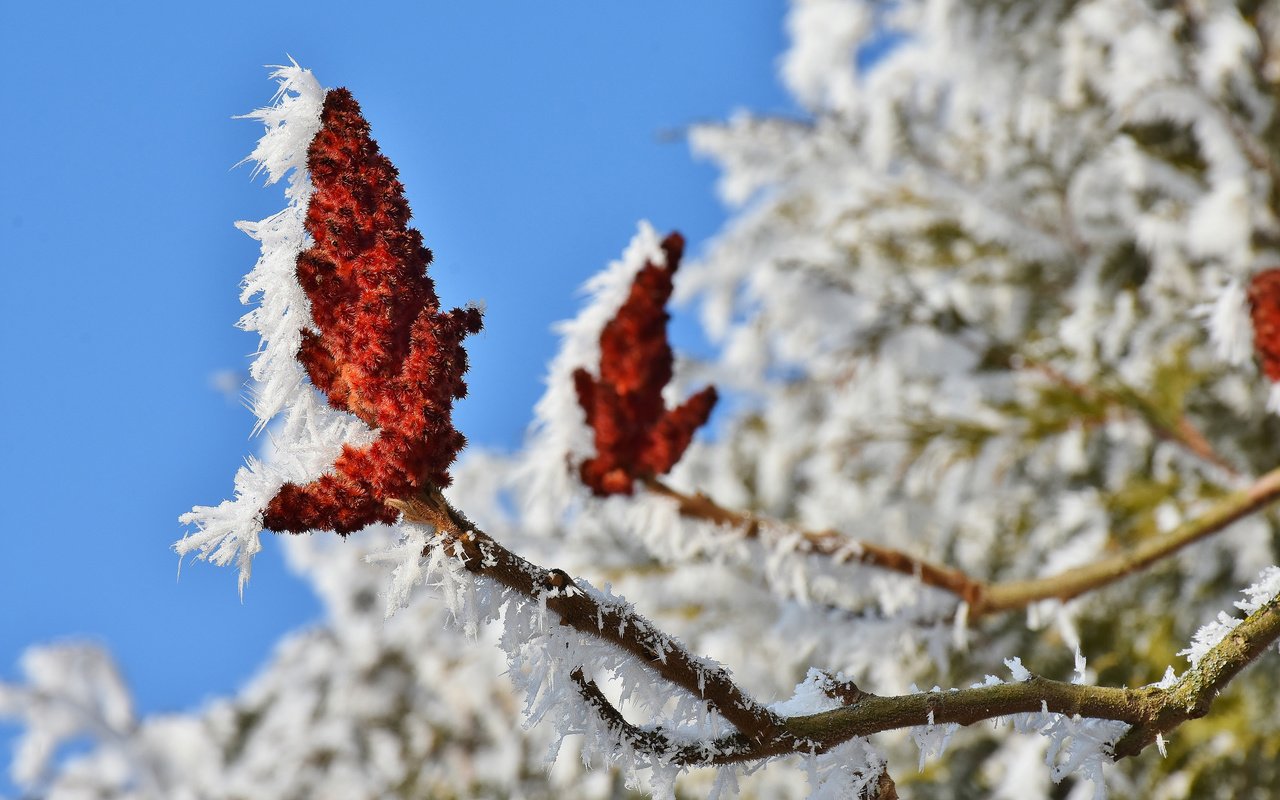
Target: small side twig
[(989, 598)]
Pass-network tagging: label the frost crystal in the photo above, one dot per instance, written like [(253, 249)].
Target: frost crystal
[(848, 770), (931, 739), (812, 696), (311, 434), (1230, 330), (1020, 673), (1077, 746), (1260, 593)]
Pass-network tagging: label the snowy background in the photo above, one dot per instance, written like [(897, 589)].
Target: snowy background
[(529, 145)]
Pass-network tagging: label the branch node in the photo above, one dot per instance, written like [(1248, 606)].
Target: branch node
[(558, 581), (846, 692)]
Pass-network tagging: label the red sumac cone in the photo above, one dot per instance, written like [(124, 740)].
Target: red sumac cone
[(1264, 308), (636, 435), (381, 347)]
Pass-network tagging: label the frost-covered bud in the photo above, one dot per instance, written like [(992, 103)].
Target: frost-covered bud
[(636, 435), (381, 348)]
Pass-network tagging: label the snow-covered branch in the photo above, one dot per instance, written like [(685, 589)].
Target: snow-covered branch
[(761, 734), (584, 610)]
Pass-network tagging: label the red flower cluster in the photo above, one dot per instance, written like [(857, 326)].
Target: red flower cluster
[(636, 435), (381, 348), (1264, 307)]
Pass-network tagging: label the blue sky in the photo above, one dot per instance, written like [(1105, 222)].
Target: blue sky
[(530, 141)]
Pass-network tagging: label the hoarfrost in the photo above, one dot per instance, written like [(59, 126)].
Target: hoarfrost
[(811, 696), (960, 290), (848, 770), (1257, 595), (311, 434), (931, 739)]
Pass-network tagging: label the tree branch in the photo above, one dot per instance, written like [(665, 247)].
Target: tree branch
[(1074, 582), (1192, 695), (616, 623), (988, 598), (827, 543), (763, 734)]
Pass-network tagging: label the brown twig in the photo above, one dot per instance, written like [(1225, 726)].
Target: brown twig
[(988, 598), (827, 543)]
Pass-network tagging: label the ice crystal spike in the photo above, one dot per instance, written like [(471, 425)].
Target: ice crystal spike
[(635, 434), (381, 348)]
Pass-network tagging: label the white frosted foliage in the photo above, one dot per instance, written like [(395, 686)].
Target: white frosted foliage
[(819, 69), (1230, 329), (69, 690)]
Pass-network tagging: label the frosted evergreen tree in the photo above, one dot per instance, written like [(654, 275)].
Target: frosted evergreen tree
[(997, 333)]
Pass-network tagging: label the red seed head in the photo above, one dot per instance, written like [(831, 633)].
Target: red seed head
[(636, 436), (381, 347), (1264, 308)]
